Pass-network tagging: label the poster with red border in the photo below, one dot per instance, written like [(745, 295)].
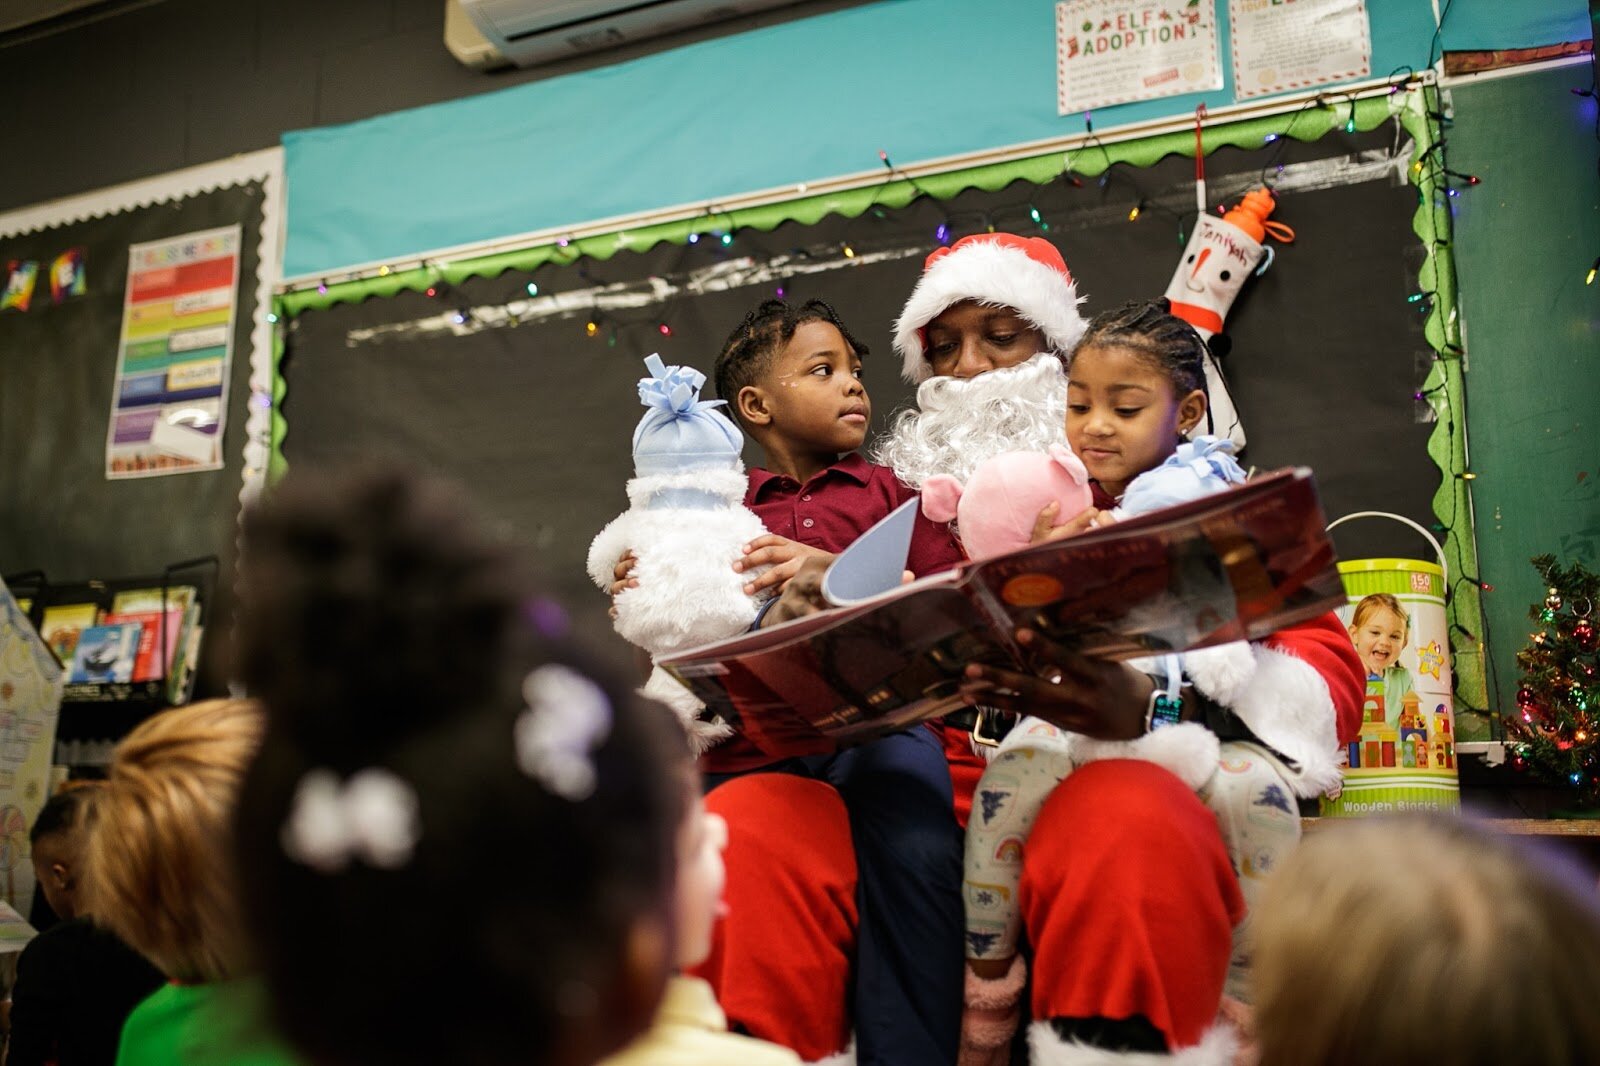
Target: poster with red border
[(169, 400), (1286, 47), (1116, 51)]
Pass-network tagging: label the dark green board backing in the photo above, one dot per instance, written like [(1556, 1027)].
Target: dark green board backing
[(1525, 239)]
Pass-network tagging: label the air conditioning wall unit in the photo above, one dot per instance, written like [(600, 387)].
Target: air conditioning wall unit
[(487, 34)]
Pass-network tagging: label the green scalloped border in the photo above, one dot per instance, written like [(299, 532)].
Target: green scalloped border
[(1445, 387), (1416, 109)]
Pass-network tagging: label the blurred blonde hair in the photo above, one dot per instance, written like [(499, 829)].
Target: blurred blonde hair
[(1425, 938), (158, 855)]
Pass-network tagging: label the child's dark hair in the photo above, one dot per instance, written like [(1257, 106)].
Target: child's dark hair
[(383, 629), (61, 813), (1150, 328), (748, 352)]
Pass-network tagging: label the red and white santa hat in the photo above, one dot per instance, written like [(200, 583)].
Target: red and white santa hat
[(1000, 270)]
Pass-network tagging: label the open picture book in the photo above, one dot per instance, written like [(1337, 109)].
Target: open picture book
[(1237, 565)]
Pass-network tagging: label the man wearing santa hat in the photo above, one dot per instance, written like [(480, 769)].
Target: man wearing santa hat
[(1128, 894)]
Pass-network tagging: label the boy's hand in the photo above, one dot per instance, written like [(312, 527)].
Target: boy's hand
[(623, 572), (784, 556), (802, 595), (1045, 528)]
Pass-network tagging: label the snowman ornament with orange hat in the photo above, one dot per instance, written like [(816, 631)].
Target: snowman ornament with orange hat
[(1223, 252)]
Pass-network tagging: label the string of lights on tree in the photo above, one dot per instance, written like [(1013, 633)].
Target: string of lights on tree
[(1555, 732)]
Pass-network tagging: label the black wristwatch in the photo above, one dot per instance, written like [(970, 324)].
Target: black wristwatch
[(1166, 699)]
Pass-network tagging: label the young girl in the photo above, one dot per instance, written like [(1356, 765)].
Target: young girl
[(1501, 941), (458, 842), (690, 1028), (1256, 731), (159, 878), (1379, 629)]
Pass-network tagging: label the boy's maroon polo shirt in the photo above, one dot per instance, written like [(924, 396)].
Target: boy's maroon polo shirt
[(842, 502)]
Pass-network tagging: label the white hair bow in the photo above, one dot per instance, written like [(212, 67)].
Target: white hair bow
[(568, 716), (372, 816)]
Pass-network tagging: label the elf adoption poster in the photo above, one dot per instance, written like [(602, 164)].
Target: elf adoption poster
[(1116, 51), (170, 396), (1281, 47)]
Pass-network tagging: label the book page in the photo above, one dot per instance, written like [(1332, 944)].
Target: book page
[(870, 672)]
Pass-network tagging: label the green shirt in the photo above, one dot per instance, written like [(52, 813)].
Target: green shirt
[(216, 1024)]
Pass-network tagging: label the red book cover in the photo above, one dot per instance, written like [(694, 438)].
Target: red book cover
[(147, 665), (1237, 565)]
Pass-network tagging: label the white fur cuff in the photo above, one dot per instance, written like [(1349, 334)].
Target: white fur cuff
[(1217, 1047), (1283, 700), (703, 735), (1221, 672), (1188, 749)]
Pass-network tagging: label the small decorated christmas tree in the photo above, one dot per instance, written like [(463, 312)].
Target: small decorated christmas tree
[(1555, 730)]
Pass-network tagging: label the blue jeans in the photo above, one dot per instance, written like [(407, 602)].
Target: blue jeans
[(909, 948)]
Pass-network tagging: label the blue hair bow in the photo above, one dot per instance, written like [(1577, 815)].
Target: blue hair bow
[(1195, 468)]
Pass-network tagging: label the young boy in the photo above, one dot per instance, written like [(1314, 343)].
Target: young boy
[(76, 983), (792, 377)]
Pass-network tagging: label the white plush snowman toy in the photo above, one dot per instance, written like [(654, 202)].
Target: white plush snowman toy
[(686, 523)]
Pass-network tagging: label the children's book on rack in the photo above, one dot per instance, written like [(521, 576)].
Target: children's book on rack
[(1237, 565), (165, 627), (63, 624), (105, 653)]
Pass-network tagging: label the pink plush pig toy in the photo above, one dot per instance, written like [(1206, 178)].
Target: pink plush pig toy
[(995, 510)]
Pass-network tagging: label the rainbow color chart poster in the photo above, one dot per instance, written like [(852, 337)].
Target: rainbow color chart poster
[(170, 396)]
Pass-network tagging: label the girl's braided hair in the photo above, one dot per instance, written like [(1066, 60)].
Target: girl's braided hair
[(1150, 328)]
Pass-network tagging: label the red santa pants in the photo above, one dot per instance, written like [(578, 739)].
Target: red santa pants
[(1129, 901), (791, 893)]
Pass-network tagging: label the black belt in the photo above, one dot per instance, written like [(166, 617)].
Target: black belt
[(988, 725)]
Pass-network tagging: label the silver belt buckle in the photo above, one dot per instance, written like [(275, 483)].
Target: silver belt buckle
[(986, 731)]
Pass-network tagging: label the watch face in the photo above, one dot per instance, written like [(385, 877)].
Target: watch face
[(1164, 710)]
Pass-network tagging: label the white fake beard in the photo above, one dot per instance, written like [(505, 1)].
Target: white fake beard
[(957, 423)]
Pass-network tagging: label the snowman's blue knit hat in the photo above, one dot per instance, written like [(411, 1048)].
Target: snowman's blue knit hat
[(679, 431)]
